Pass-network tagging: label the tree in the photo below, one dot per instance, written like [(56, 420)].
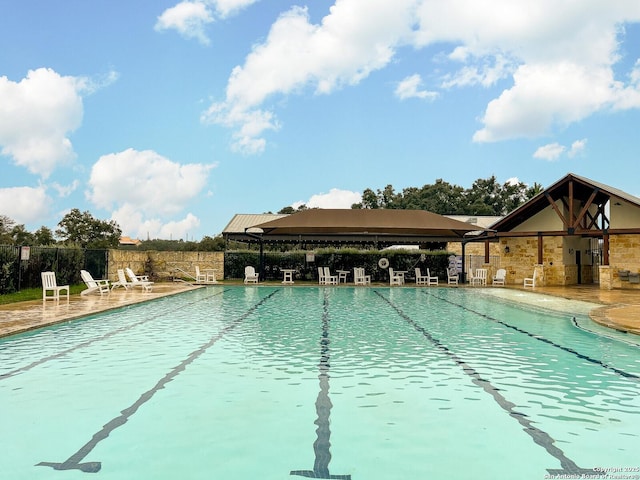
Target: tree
[(82, 229), (21, 236), (6, 225), (44, 237)]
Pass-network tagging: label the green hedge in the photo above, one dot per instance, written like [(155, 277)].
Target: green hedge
[(336, 259)]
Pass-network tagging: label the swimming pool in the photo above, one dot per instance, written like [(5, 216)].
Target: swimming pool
[(293, 382)]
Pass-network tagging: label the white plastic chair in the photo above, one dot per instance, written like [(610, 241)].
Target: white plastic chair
[(49, 284), (328, 278), (250, 275), (138, 281), (101, 286), (431, 279), (200, 277), (452, 276), (322, 280), (500, 277), (530, 282), (395, 278)]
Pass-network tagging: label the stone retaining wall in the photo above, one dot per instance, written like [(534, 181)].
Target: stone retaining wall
[(164, 266)]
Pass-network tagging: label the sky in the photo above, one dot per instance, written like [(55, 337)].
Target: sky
[(170, 116)]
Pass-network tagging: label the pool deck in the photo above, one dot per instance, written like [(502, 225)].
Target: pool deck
[(618, 309)]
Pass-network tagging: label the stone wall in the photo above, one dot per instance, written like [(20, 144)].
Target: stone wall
[(624, 255), (164, 265)]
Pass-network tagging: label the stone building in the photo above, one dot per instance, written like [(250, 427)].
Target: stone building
[(577, 231)]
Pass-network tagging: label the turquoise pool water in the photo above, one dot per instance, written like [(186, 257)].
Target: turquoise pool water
[(284, 383)]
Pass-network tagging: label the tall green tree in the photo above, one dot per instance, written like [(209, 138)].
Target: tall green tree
[(82, 229), (6, 225)]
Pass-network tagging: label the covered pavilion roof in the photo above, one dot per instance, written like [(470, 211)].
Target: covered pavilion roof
[(378, 226)]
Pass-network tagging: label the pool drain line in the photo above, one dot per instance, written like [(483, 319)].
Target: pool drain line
[(322, 445), (74, 461), (540, 437)]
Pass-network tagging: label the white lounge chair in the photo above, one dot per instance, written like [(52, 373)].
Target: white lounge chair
[(531, 282), (431, 279), (328, 278), (100, 286), (359, 277), (250, 275), (49, 284), (452, 276), (122, 281), (138, 281), (500, 277)]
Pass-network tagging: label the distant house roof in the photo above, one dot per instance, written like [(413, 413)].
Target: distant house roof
[(570, 188), (129, 241)]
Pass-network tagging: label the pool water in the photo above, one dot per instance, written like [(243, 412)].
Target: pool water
[(294, 382)]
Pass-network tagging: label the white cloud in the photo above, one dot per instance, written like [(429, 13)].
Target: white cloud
[(544, 96), (37, 115), (410, 88), (577, 147), (139, 185), (558, 58), (25, 204), (65, 190), (226, 8), (336, 198), (551, 151), (188, 18), (349, 44)]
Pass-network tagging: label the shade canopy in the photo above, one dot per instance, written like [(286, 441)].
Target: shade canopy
[(377, 225)]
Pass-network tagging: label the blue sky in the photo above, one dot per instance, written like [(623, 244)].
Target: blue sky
[(170, 117)]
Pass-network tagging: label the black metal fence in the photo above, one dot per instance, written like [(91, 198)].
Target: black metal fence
[(20, 267)]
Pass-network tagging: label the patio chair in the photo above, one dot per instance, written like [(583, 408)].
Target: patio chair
[(479, 277), (359, 276), (431, 279), (499, 278), (531, 282), (200, 277), (452, 276), (250, 275), (328, 278), (49, 284), (122, 281), (137, 281), (321, 278), (420, 279), (395, 278), (100, 286)]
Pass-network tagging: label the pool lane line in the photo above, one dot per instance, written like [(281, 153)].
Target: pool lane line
[(73, 462), (322, 445), (97, 339), (540, 437), (622, 373)]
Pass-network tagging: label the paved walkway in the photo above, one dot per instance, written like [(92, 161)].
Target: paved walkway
[(619, 309)]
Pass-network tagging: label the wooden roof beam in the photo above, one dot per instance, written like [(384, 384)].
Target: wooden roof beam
[(557, 210)]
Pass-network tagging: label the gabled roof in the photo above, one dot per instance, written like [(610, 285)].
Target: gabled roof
[(383, 224), (582, 189)]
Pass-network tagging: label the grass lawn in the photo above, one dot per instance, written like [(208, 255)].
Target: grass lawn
[(33, 294)]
